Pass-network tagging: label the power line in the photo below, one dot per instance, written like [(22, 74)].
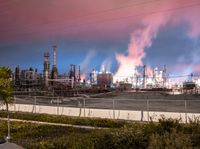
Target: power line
[(115, 9), (139, 15), (109, 10), (133, 16)]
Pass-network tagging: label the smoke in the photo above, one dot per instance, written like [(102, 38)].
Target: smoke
[(141, 39), (193, 62), (192, 18), (189, 62), (85, 63), (106, 65)]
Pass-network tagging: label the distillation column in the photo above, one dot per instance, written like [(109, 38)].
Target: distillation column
[(54, 70), (46, 71)]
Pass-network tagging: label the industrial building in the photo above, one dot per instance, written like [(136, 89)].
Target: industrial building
[(27, 80), (70, 84)]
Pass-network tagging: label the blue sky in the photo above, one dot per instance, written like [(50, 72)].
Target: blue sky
[(36, 30)]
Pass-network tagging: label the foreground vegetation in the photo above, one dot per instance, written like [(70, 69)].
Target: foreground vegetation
[(65, 120), (166, 134), (6, 92)]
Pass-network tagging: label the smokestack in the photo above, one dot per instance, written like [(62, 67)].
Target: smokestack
[(46, 68), (79, 73), (54, 56), (144, 76), (72, 73), (17, 75), (54, 70), (164, 76)]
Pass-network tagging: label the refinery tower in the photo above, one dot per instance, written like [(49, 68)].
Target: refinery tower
[(54, 74), (46, 71)]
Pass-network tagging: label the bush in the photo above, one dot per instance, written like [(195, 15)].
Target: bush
[(169, 140), (167, 134)]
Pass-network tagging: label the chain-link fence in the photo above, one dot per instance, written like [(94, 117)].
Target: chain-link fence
[(133, 109), (164, 105)]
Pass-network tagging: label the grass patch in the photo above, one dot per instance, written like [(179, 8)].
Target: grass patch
[(65, 119), (167, 133)]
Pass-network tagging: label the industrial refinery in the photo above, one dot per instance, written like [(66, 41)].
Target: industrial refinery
[(51, 83)]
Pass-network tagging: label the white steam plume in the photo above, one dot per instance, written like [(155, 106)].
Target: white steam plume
[(106, 64), (141, 38), (85, 63)]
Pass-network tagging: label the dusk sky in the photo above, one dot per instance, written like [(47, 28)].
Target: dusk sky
[(116, 33)]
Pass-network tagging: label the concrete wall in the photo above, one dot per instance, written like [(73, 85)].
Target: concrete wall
[(102, 113)]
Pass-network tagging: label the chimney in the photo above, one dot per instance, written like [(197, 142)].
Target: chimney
[(46, 71), (79, 73), (54, 56), (54, 70), (144, 76), (164, 76)]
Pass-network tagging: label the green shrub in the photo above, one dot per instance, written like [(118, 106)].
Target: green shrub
[(169, 140), (166, 134), (166, 125)]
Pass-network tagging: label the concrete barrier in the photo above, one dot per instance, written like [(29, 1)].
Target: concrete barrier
[(102, 113)]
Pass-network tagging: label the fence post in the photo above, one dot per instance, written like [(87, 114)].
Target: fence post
[(14, 103), (84, 106), (147, 110), (113, 109), (185, 110), (35, 104), (142, 115), (80, 107), (57, 105)]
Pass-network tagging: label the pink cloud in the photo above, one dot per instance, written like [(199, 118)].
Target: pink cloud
[(34, 19)]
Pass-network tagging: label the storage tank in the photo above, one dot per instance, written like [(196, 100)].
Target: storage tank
[(105, 79)]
